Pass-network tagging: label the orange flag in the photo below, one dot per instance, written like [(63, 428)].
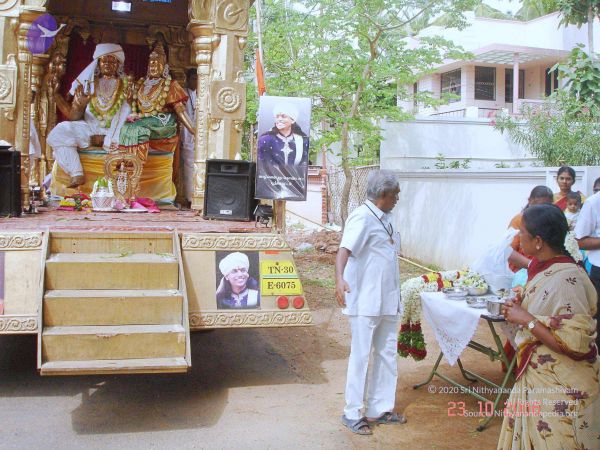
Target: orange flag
[(260, 76)]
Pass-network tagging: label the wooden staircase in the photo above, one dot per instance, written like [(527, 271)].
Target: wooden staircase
[(113, 303)]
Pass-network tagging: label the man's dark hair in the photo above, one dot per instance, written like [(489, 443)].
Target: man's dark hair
[(549, 223)]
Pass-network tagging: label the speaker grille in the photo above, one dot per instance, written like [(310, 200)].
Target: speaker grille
[(10, 176), (229, 193)]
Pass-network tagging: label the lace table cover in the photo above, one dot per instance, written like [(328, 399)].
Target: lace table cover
[(453, 322)]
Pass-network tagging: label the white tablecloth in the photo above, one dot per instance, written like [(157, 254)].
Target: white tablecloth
[(453, 322)]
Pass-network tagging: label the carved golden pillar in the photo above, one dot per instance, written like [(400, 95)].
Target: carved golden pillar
[(24, 61), (220, 29), (38, 66)]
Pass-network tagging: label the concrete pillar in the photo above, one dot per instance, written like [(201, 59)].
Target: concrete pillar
[(516, 84)]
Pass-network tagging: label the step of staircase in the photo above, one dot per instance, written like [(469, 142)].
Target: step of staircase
[(112, 366), (111, 271), (112, 307), (111, 242), (85, 343)]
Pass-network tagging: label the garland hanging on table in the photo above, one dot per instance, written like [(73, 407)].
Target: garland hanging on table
[(410, 339)]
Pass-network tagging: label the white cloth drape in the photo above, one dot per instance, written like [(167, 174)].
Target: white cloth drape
[(187, 147), (453, 322)]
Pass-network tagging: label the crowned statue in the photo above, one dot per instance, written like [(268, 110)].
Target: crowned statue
[(157, 101), (96, 113)]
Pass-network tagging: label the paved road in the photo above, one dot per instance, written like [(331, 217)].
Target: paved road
[(251, 389)]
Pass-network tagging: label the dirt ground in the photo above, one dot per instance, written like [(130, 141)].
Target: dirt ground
[(261, 388)]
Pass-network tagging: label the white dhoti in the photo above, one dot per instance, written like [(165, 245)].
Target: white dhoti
[(35, 148), (379, 333), (66, 137)]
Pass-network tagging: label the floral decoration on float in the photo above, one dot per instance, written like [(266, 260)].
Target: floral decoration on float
[(75, 202), (411, 341)]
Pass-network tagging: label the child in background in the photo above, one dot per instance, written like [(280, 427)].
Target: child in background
[(573, 208)]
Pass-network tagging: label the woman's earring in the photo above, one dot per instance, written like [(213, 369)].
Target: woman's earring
[(537, 247)]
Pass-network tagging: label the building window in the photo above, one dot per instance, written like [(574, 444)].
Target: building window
[(451, 84), (508, 85), (551, 82), (485, 83)]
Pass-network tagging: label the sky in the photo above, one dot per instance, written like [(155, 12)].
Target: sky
[(504, 5)]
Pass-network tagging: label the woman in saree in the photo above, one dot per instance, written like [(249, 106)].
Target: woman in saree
[(554, 402), (565, 178)]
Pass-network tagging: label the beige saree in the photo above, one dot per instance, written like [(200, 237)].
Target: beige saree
[(554, 403)]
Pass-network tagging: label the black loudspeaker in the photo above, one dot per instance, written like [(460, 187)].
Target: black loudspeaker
[(229, 190), (10, 182)]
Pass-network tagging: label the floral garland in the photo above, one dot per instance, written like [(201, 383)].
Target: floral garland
[(106, 115), (410, 339), (572, 247), (151, 104)]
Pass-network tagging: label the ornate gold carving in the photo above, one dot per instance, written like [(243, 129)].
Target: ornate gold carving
[(249, 319), (124, 169), (5, 5), (9, 114), (36, 3), (24, 241), (8, 80), (233, 242), (200, 10), (5, 87), (232, 15), (215, 124), (18, 324), (228, 99)]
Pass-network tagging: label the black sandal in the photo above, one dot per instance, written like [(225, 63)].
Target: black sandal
[(390, 418), (360, 426)]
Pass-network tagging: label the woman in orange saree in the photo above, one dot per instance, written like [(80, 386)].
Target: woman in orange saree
[(554, 402)]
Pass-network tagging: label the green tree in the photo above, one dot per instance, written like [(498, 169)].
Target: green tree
[(581, 12), (532, 9), (351, 58), (582, 75), (560, 131)]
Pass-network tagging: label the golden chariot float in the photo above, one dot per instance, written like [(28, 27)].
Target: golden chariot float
[(115, 292)]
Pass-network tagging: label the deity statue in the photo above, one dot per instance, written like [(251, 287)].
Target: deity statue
[(96, 113), (156, 102)]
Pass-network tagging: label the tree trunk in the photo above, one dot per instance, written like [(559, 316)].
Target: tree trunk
[(366, 75), (347, 173), (345, 133), (590, 21)]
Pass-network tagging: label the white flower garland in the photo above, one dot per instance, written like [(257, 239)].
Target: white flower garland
[(573, 247), (411, 292)]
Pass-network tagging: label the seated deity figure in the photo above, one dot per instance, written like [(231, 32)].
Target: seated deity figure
[(156, 102), (97, 112)]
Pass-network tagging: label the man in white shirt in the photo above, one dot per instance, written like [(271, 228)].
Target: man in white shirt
[(587, 232), (368, 288)]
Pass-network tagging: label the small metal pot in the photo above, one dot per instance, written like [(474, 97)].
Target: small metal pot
[(494, 306)]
